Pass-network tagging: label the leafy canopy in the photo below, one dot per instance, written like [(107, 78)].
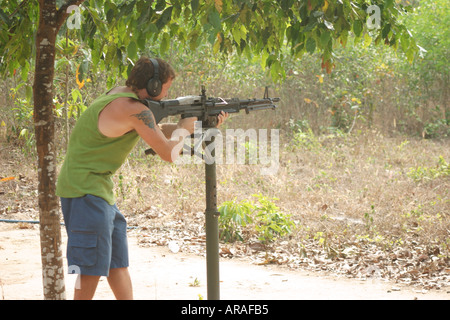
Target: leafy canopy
[(115, 31)]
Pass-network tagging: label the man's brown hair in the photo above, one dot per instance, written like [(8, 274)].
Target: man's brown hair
[(143, 71)]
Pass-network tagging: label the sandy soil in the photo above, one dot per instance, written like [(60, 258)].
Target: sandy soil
[(159, 274)]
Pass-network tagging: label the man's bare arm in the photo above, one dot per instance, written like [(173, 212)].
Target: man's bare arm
[(143, 121), (146, 116)]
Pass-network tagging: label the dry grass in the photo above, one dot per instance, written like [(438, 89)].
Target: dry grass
[(346, 193), (354, 203), (359, 177)]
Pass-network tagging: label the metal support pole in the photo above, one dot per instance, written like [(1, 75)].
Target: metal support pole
[(212, 229)]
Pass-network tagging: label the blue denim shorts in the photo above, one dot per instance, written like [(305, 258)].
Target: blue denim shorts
[(97, 236)]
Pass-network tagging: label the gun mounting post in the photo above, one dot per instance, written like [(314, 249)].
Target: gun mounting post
[(266, 93), (211, 212)]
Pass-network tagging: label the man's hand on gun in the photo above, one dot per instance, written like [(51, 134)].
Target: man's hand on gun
[(189, 123), (221, 118)]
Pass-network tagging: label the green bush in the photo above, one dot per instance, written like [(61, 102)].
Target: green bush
[(271, 223), (263, 217), (234, 217), (442, 169)]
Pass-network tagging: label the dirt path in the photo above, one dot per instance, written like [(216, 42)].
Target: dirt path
[(159, 274)]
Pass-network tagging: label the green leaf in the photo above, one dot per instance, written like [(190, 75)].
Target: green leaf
[(386, 30), (24, 71), (236, 31), (357, 27), (110, 15), (214, 19), (311, 45), (325, 38), (194, 6), (410, 54), (84, 68), (95, 56), (76, 95), (23, 133), (263, 60), (132, 50), (165, 42), (404, 40), (160, 5), (164, 18), (367, 40), (126, 9), (276, 71), (216, 46), (389, 3), (286, 4), (29, 93)]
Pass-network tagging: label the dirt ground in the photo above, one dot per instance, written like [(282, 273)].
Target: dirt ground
[(160, 274)]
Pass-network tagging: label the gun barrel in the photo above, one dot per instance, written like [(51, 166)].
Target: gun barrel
[(236, 105)]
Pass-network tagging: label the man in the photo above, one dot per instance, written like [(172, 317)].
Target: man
[(101, 140)]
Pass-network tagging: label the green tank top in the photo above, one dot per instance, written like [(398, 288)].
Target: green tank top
[(92, 158)]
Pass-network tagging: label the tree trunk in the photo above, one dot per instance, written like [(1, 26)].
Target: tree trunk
[(50, 229), (50, 21)]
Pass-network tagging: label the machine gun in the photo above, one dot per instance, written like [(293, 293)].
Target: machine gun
[(206, 109)]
